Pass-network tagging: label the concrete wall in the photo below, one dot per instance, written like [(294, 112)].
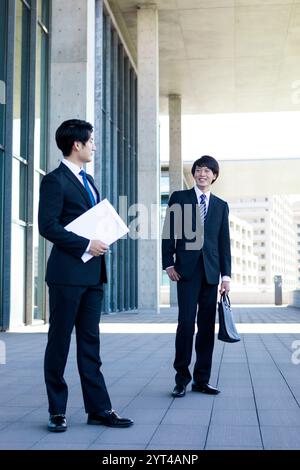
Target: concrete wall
[(71, 66), (148, 157)]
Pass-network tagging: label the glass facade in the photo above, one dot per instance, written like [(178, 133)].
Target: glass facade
[(24, 72), (40, 152), (20, 158), (3, 42), (23, 138), (3, 28), (118, 167), (21, 81)]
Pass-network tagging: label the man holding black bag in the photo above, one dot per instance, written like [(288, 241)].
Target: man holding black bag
[(195, 252)]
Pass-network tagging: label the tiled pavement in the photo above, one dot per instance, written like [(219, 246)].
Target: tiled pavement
[(259, 407)]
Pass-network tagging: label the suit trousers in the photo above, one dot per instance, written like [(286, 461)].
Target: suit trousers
[(80, 307), (195, 298)]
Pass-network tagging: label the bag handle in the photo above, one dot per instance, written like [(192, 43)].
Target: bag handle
[(225, 298)]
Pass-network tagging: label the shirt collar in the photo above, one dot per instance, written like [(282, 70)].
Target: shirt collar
[(198, 194), (74, 168)]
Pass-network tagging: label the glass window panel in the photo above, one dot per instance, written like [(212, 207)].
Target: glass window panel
[(104, 64), (19, 173), (43, 12), (41, 100), (1, 182), (21, 81), (2, 68), (17, 276), (37, 126), (112, 73), (1, 226), (38, 257), (16, 186)]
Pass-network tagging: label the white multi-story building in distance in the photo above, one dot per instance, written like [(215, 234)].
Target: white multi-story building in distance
[(274, 237), (244, 275), (296, 208)]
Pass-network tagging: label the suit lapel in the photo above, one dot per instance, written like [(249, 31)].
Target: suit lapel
[(193, 196), (210, 211), (192, 199), (76, 182)]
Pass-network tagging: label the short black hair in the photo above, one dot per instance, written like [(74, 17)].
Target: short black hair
[(73, 130), (209, 162)]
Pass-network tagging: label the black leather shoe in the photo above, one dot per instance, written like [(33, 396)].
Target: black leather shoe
[(179, 391), (205, 388), (57, 423), (109, 418)]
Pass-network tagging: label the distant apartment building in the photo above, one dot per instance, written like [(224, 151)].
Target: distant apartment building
[(296, 208), (274, 237), (244, 263)]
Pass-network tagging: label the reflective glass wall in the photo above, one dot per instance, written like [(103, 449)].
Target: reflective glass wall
[(20, 154), (40, 152), (117, 111), (3, 37), (24, 26)]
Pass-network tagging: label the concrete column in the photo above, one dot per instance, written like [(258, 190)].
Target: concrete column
[(72, 51), (71, 66), (175, 161), (148, 157)]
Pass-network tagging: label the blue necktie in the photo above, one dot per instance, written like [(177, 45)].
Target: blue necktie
[(203, 207), (87, 187)]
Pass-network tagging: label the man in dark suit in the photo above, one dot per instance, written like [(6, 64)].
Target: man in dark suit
[(195, 252), (75, 287)]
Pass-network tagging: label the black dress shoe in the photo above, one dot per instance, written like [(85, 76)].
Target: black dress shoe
[(205, 388), (179, 391), (109, 418), (57, 423)]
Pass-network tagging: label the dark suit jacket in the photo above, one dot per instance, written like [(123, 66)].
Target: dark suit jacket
[(216, 243), (62, 199)]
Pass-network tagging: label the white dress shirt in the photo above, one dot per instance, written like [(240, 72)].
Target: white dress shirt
[(76, 170), (199, 193)]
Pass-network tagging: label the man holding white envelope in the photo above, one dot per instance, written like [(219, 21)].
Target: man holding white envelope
[(75, 276)]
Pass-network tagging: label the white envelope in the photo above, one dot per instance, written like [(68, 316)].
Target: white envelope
[(101, 222)]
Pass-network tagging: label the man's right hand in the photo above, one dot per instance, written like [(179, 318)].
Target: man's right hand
[(173, 274), (97, 248)]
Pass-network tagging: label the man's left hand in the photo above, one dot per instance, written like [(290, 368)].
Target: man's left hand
[(225, 287)]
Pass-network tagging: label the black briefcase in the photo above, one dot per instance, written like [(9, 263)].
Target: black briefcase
[(227, 330)]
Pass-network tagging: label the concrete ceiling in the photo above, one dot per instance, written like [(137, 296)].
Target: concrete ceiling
[(225, 56)]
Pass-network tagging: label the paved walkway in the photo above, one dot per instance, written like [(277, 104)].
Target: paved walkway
[(259, 407)]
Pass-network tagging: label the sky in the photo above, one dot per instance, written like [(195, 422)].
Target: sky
[(236, 136)]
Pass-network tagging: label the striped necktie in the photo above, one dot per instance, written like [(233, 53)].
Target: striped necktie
[(203, 207), (87, 187)]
